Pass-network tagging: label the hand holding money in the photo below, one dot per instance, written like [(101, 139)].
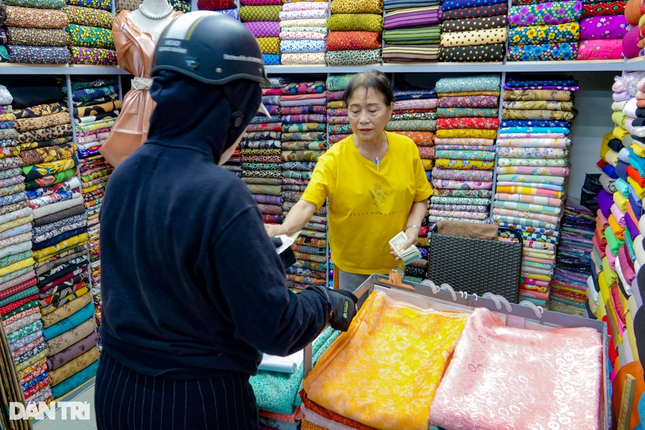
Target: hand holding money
[(403, 250)]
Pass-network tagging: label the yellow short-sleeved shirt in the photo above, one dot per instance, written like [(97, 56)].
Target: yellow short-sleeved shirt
[(367, 207)]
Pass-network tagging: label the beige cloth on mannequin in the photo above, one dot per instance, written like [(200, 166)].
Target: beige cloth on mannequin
[(134, 50)]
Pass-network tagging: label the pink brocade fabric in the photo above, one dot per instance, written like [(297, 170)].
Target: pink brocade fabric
[(509, 378)]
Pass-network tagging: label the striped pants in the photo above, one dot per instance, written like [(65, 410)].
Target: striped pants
[(128, 400)]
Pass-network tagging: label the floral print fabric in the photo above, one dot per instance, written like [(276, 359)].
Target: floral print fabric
[(35, 18), (480, 123), (468, 102), (549, 13), (303, 58), (603, 27), (295, 46), (37, 36), (604, 49), (531, 35), (89, 17), (543, 52), (38, 54)]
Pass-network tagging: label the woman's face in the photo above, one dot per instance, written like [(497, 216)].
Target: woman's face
[(368, 113)]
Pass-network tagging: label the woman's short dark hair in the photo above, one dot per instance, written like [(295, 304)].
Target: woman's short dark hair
[(370, 79)]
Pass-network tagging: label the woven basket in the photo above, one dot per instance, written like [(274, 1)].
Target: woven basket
[(476, 266)]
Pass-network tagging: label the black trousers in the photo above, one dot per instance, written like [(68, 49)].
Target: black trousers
[(128, 400)]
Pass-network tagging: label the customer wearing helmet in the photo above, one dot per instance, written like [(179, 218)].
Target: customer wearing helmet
[(192, 286)]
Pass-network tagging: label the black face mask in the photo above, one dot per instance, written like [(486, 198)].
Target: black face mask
[(192, 114)]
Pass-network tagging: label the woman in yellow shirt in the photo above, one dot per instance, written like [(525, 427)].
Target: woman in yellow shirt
[(375, 183)]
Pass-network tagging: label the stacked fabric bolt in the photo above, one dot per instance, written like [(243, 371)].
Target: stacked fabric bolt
[(336, 108), (304, 139), (21, 318), (573, 261), (303, 32), (228, 7), (264, 138), (90, 33), (277, 392), (93, 124), (4, 53), (544, 31), (533, 165), (355, 32), (601, 36), (36, 32), (467, 122), (261, 157), (412, 31), (264, 22), (473, 30), (59, 236)]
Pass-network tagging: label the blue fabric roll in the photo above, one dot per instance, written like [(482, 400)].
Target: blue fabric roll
[(70, 322)]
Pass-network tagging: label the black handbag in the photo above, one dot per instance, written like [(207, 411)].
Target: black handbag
[(476, 266)]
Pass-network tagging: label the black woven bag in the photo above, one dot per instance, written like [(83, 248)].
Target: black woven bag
[(476, 266)]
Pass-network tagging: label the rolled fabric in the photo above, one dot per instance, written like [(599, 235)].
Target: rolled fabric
[(216, 4), (477, 37), (88, 16), (269, 45), (605, 8), (475, 12), (410, 53), (549, 13), (35, 18), (353, 57), (90, 37), (303, 58), (353, 40), (618, 216), (271, 59), (416, 16), (543, 52), (297, 46), (355, 22), (92, 56), (260, 13), (413, 36), (356, 7), (603, 49), (460, 123), (38, 4), (461, 4), (533, 35), (478, 54), (37, 36), (264, 28), (604, 27), (303, 14), (474, 24), (38, 54), (260, 2), (304, 6), (303, 35)]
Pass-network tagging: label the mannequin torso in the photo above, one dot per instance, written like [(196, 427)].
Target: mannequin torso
[(153, 26)]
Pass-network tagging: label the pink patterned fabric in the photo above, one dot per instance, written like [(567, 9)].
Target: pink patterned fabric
[(502, 377), (602, 49)]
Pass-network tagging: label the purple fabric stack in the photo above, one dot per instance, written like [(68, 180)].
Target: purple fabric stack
[(601, 37)]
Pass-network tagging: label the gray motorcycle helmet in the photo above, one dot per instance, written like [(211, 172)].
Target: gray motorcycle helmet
[(210, 47)]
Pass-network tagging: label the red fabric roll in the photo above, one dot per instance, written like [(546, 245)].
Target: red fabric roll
[(460, 123), (353, 40), (216, 4)]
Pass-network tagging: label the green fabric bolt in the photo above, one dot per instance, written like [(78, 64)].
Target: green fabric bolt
[(90, 37)]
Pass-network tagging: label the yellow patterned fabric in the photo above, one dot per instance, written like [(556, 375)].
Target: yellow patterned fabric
[(269, 45), (468, 133), (356, 6), (356, 22), (306, 425), (43, 254), (385, 370)]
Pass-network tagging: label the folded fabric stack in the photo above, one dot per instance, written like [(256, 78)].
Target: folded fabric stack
[(474, 30), (414, 116), (36, 32), (94, 121), (304, 140), (264, 22), (467, 122), (601, 37), (59, 236), (355, 37), (4, 53), (340, 391), (544, 31), (337, 109), (532, 169), (303, 32), (412, 31), (90, 32), (19, 306), (573, 261), (260, 162), (276, 393)]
